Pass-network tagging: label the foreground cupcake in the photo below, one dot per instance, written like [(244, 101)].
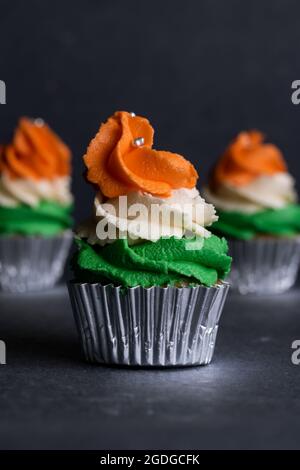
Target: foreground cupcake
[(35, 207), (148, 284), (256, 202)]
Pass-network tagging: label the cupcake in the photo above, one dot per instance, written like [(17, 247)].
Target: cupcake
[(256, 202), (148, 284), (35, 208)]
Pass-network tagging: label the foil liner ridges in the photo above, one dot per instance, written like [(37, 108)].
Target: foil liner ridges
[(154, 326), (264, 265), (30, 263)]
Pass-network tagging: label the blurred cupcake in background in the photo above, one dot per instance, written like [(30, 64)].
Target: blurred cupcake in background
[(148, 289), (35, 208), (256, 202)]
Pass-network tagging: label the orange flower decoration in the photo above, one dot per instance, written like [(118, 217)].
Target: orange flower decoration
[(120, 159), (246, 158), (36, 152)]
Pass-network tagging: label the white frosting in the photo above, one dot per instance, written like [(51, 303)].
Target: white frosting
[(16, 191), (182, 214), (265, 192)]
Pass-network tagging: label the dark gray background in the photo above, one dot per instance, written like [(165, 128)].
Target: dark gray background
[(200, 70)]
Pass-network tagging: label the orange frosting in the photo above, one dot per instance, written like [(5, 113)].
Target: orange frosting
[(35, 152), (118, 166), (246, 158)]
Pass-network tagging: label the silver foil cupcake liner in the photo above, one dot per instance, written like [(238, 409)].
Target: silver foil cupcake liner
[(264, 265), (29, 263), (157, 326)]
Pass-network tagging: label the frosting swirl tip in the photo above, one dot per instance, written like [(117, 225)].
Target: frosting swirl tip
[(247, 157), (120, 159)]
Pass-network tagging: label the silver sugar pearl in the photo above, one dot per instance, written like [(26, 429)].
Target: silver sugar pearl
[(39, 122), (139, 141), (132, 114)]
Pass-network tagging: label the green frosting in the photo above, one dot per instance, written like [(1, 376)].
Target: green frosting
[(283, 222), (165, 262), (48, 218)]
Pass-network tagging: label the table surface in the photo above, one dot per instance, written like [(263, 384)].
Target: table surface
[(248, 397)]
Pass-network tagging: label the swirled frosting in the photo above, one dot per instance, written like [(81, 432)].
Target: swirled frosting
[(252, 190), (149, 208), (184, 213), (25, 191), (47, 218), (120, 159), (35, 153), (247, 158), (35, 166), (165, 262), (265, 192), (35, 196), (250, 176)]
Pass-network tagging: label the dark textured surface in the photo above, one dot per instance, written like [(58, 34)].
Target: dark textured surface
[(201, 70), (249, 397)]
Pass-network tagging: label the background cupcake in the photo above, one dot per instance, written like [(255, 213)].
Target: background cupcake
[(147, 290), (35, 207), (256, 202)]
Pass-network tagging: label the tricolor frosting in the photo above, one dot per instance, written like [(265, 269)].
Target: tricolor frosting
[(34, 180), (252, 189), (121, 163)]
